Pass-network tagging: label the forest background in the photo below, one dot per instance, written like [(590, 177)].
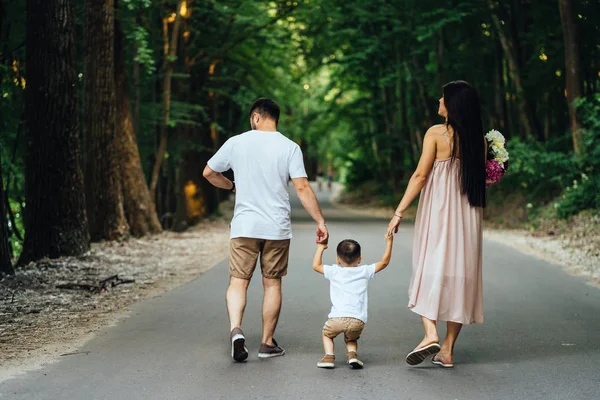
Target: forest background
[(109, 109)]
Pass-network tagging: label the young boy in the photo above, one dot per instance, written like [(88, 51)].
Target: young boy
[(348, 281)]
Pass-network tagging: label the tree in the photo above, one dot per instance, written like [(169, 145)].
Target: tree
[(102, 177), (55, 217), (527, 123), (138, 205), (572, 68), (170, 56), (5, 253)]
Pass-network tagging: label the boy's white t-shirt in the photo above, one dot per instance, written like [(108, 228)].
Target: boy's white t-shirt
[(263, 162), (348, 290)]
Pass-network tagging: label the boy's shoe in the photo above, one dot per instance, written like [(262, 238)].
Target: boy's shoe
[(354, 361), (239, 352), (266, 351), (327, 362)]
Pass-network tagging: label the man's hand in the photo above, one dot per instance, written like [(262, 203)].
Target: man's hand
[(322, 234), (309, 201)]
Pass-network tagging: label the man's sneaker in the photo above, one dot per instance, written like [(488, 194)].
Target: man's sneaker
[(239, 352), (354, 361), (266, 351), (327, 362)]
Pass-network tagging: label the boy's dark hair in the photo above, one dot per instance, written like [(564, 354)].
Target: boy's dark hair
[(266, 108), (349, 251)]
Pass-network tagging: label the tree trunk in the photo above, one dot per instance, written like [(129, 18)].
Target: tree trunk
[(525, 117), (55, 217), (439, 57), (572, 68), (102, 177), (137, 83), (422, 93), (166, 98), (499, 114), (138, 206), (5, 253)]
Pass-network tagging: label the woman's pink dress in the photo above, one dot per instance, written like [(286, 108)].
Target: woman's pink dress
[(446, 282)]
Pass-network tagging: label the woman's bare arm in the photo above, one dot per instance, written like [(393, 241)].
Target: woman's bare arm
[(418, 179)]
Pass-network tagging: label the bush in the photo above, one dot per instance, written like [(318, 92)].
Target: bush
[(584, 192), (538, 170)]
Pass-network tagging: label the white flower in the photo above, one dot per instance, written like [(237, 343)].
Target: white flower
[(500, 155), (494, 135), (498, 144), (529, 205)]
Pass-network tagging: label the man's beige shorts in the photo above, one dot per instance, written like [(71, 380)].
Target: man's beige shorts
[(351, 327), (244, 253)]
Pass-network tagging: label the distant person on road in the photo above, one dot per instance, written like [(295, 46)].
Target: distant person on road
[(320, 179), (348, 282), (446, 282), (263, 161), (329, 177)]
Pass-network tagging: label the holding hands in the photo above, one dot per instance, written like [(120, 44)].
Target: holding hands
[(394, 224), (322, 234)]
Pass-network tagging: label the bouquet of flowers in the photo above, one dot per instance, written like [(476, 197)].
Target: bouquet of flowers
[(497, 162)]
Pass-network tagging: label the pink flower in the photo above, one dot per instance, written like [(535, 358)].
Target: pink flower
[(494, 171)]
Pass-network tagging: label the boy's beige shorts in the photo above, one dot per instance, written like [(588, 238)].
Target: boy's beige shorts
[(351, 327)]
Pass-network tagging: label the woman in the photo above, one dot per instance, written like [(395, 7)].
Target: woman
[(446, 279)]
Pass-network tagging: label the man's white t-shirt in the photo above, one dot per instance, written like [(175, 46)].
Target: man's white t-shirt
[(262, 162), (348, 290)]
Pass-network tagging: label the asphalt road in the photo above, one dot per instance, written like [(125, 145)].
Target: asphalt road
[(540, 339)]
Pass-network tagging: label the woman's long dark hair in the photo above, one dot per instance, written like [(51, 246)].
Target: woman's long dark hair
[(464, 116)]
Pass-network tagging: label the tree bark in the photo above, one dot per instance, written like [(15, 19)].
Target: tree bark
[(102, 177), (137, 83), (499, 115), (572, 68), (525, 117), (6, 267), (55, 217), (166, 98), (138, 205)]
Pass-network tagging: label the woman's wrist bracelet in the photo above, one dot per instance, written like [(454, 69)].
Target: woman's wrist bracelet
[(398, 215)]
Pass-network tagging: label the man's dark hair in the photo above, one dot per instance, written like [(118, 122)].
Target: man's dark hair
[(349, 251), (266, 108)]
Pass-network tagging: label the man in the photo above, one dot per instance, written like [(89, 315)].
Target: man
[(263, 161)]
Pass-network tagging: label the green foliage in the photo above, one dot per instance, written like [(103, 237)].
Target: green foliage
[(539, 170), (358, 83), (145, 55), (584, 192)]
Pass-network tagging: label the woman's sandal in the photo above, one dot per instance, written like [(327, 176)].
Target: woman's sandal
[(441, 364), (419, 355)]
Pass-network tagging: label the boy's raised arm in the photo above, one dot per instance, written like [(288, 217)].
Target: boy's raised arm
[(318, 260), (387, 255)]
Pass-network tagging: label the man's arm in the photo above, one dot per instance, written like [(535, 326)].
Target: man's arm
[(387, 255), (310, 203), (217, 179), (318, 260)]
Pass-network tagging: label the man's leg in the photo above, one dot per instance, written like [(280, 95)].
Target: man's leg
[(243, 255), (273, 262), (236, 300), (271, 308)]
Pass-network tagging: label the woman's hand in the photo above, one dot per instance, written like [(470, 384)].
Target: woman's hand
[(394, 224)]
